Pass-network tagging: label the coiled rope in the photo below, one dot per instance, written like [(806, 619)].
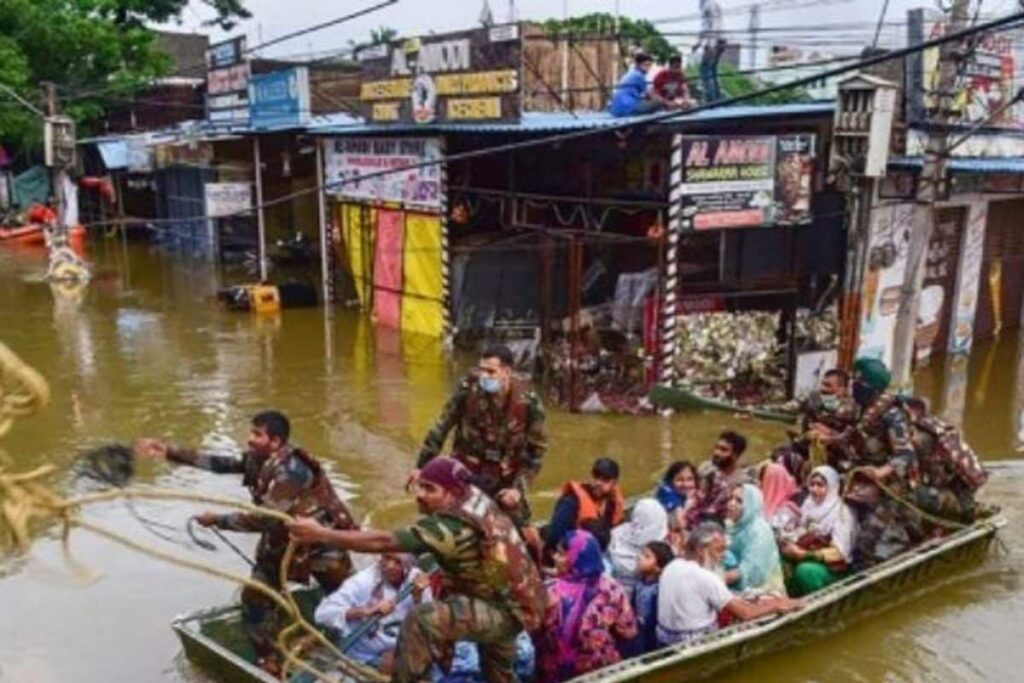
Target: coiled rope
[(27, 500)]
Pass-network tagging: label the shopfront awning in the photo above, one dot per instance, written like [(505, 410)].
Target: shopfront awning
[(114, 154)]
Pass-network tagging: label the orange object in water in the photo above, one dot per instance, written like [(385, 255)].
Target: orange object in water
[(27, 235)]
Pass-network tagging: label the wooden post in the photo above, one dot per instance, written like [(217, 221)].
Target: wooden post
[(447, 331), (670, 274), (326, 275), (260, 218)]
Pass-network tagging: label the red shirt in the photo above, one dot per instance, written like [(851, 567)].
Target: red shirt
[(670, 84)]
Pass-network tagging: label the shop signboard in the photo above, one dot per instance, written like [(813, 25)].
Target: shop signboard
[(280, 99), (736, 181), (468, 76), (227, 199), (986, 84), (354, 169), (227, 83)]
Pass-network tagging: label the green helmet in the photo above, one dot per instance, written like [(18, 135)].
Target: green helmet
[(873, 373)]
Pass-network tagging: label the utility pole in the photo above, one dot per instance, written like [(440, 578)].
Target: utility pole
[(755, 28), (58, 170), (929, 190)]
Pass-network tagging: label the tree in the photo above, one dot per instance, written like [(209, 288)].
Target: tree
[(95, 51), (632, 32), (735, 83)]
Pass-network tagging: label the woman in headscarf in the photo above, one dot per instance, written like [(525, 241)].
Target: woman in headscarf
[(648, 522), (754, 564), (824, 537), (385, 591), (588, 614)]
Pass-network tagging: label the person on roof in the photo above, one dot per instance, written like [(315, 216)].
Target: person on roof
[(633, 95)]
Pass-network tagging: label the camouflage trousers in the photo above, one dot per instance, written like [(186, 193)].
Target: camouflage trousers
[(948, 502), (430, 631), (884, 531), (262, 619)]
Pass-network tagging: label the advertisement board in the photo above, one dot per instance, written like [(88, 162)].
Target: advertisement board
[(227, 199), (464, 76), (741, 181), (227, 83), (348, 160), (280, 99)]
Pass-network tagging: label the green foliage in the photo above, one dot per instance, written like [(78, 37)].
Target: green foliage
[(95, 51), (735, 83), (634, 32)]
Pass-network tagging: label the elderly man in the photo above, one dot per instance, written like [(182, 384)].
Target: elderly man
[(491, 588), (691, 594), (280, 477), (499, 432)]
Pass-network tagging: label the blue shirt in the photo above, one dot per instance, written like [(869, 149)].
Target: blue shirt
[(628, 93)]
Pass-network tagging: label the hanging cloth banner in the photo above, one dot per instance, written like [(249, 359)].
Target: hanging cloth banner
[(357, 234), (387, 268), (421, 299)]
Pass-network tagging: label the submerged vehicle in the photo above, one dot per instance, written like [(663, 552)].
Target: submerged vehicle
[(213, 638)]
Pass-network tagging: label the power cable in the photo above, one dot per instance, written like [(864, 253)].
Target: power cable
[(1002, 23)]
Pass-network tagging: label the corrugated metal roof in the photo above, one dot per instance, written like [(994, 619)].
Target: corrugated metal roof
[(553, 122), (967, 165)]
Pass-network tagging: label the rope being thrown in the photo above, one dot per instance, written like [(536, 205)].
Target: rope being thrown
[(27, 501)]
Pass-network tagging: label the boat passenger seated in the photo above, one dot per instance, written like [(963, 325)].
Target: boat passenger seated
[(596, 504), (370, 606), (679, 495), (779, 491), (719, 476), (466, 662), (820, 543), (588, 614), (647, 522), (652, 560), (755, 564), (691, 594)]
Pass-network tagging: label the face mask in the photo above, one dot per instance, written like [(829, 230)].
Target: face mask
[(862, 393), (830, 403), (490, 385)]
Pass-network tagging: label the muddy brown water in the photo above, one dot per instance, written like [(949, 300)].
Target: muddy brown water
[(144, 350)]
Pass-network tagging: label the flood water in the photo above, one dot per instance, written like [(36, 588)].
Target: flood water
[(145, 351)]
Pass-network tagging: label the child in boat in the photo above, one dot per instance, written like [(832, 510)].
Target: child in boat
[(821, 546), (588, 614), (384, 592), (652, 560), (648, 522)]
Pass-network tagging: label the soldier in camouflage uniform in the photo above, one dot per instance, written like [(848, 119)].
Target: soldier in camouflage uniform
[(880, 451), (491, 589), (499, 432), (949, 473), (280, 477), (827, 416)]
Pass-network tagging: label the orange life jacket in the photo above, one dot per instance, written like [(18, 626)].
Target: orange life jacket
[(590, 509)]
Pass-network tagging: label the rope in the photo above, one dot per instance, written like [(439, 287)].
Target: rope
[(934, 519), (27, 500)]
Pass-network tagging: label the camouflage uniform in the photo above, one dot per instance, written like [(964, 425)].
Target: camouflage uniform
[(882, 437), (292, 482), (948, 471), (797, 456), (501, 445), (491, 590)]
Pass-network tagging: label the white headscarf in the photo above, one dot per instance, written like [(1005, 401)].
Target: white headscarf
[(648, 522), (831, 517)]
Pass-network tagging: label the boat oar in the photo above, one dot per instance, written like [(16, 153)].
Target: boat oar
[(427, 565)]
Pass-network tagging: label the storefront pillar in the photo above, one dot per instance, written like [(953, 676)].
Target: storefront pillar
[(670, 274), (326, 277), (261, 228)]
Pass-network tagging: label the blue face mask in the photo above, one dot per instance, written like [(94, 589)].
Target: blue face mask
[(830, 403), (490, 385)]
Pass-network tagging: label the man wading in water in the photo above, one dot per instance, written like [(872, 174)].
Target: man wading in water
[(280, 477), (491, 589)]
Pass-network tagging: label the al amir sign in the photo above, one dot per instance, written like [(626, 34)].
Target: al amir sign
[(470, 75)]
